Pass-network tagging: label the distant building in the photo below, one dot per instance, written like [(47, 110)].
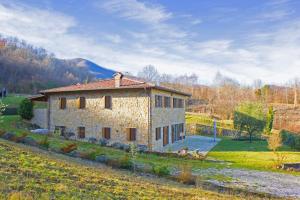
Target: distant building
[(122, 109)]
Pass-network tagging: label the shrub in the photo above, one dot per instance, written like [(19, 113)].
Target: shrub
[(26, 109), (161, 170), (126, 163), (88, 155), (45, 142), (2, 132), (185, 176), (291, 139), (21, 138), (92, 140), (103, 142), (69, 148)]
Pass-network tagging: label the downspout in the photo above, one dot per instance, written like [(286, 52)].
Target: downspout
[(149, 121), (48, 113)]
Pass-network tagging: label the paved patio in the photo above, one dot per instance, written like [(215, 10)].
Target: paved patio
[(201, 143)]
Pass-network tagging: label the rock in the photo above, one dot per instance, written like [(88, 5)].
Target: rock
[(183, 152), (8, 136), (92, 140), (30, 141), (101, 159), (75, 154), (40, 131), (142, 148), (69, 135), (103, 142), (117, 145), (125, 147)]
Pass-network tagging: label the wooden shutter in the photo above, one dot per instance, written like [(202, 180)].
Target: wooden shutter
[(81, 102), (131, 134), (81, 132), (106, 133), (158, 133), (62, 103), (108, 102)]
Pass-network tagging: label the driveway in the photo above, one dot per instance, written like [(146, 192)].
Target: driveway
[(201, 143)]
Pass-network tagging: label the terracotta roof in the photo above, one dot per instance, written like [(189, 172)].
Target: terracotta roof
[(109, 84)]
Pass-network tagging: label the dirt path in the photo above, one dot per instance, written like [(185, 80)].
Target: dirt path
[(279, 184)]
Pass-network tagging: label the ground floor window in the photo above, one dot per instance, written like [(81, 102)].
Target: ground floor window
[(61, 130), (81, 132), (165, 135), (177, 132), (106, 133), (131, 134), (158, 133)]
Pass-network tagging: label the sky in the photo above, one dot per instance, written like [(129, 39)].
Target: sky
[(243, 39)]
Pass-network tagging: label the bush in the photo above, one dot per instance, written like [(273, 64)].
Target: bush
[(291, 140), (88, 155), (21, 138), (26, 109), (69, 148), (45, 142), (161, 170), (2, 132), (185, 176), (92, 140), (125, 162), (103, 142)]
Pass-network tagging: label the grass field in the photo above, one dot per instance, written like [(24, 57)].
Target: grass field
[(238, 154), (33, 174), (255, 155), (13, 100)]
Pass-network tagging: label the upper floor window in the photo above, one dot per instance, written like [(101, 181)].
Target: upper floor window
[(81, 102), (178, 103), (81, 132), (108, 102), (158, 133), (131, 134), (62, 103), (106, 133), (158, 101), (167, 102)]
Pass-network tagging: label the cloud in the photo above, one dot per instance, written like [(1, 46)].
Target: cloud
[(272, 56), (135, 10)]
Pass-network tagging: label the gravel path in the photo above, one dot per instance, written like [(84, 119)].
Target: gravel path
[(282, 185)]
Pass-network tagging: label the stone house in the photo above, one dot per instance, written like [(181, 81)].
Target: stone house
[(122, 109)]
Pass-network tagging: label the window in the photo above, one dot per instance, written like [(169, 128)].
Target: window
[(108, 102), (106, 133), (167, 102), (131, 134), (81, 102), (177, 103), (61, 130), (81, 132), (158, 133), (62, 103), (158, 101)]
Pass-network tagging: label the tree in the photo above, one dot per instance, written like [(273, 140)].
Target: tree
[(249, 117), (274, 143), (269, 120), (26, 109), (149, 73), (2, 109)]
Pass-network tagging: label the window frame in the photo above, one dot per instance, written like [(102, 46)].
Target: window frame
[(165, 102), (131, 134), (158, 101), (80, 131), (108, 102), (157, 133), (106, 131), (62, 103), (81, 102)]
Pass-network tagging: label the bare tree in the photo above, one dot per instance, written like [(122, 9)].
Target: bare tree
[(149, 73)]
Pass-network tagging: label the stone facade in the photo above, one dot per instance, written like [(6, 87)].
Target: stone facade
[(40, 117), (131, 108)]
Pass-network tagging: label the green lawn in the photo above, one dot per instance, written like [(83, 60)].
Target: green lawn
[(255, 155), (13, 100), (206, 120)]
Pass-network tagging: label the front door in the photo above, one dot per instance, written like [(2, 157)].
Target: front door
[(166, 135)]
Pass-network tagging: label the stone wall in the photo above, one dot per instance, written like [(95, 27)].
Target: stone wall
[(287, 117), (40, 117), (164, 117), (129, 110)]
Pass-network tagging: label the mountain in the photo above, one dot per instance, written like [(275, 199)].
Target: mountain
[(27, 69), (98, 71)]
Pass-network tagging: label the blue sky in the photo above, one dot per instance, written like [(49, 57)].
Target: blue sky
[(243, 39)]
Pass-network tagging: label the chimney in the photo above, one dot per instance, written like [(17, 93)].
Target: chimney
[(118, 77)]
